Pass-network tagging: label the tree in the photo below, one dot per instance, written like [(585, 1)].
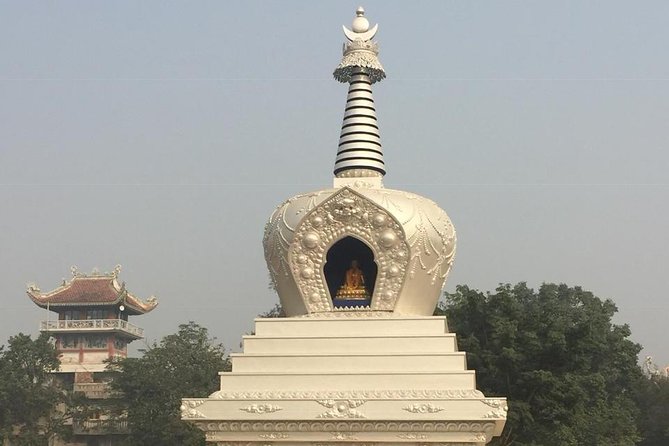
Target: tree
[(652, 396), (274, 312), (184, 364), (33, 407), (568, 372)]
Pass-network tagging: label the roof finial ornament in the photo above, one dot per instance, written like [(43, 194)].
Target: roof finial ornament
[(360, 27), (360, 51), (360, 154)]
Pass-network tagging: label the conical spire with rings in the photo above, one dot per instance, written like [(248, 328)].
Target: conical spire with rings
[(360, 153)]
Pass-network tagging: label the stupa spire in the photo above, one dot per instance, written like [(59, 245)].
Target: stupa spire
[(360, 153)]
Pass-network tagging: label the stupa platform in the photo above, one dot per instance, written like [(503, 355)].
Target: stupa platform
[(336, 379)]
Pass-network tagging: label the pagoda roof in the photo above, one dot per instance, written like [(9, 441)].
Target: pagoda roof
[(95, 289)]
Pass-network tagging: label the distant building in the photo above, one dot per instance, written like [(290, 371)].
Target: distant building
[(90, 327), (652, 370)]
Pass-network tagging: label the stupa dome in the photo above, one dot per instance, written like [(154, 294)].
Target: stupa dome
[(359, 248), (411, 240)]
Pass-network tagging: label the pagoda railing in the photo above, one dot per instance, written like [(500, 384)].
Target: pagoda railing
[(100, 427), (93, 390), (91, 325)]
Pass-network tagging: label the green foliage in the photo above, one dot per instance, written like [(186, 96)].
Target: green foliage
[(652, 397), (568, 372), (274, 312), (33, 408), (182, 365)]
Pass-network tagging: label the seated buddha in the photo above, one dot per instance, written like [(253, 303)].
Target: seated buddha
[(354, 284)]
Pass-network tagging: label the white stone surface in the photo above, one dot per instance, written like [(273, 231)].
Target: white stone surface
[(363, 344), (384, 379), (412, 239)]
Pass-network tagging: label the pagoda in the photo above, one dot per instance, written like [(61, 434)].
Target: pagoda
[(359, 269), (91, 327)]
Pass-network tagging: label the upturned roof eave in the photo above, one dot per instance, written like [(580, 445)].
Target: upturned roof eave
[(134, 304)]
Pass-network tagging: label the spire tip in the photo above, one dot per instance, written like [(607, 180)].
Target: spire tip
[(360, 23)]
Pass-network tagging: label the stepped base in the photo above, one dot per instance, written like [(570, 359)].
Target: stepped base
[(325, 380)]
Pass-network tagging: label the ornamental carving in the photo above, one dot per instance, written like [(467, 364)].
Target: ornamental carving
[(480, 437), (352, 395), (423, 408), (188, 409), (431, 237), (341, 409), (357, 443), (499, 408), (279, 233), (422, 247), (261, 408), (348, 213), (343, 436), (497, 414), (352, 313), (412, 436), (344, 426), (495, 403), (274, 436)]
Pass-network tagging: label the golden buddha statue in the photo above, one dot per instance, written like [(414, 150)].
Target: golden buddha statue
[(354, 284)]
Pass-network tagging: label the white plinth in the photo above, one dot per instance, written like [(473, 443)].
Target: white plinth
[(361, 380)]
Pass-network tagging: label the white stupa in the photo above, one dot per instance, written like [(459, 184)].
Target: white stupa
[(359, 269)]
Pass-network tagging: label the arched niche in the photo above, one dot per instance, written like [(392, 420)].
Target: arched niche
[(339, 259), (347, 213)]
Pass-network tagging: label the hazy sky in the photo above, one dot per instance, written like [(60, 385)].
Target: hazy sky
[(161, 135)]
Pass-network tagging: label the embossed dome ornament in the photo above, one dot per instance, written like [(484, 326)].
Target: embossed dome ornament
[(359, 248)]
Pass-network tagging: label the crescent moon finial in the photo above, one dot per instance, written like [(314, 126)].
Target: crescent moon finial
[(352, 35), (360, 27)]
